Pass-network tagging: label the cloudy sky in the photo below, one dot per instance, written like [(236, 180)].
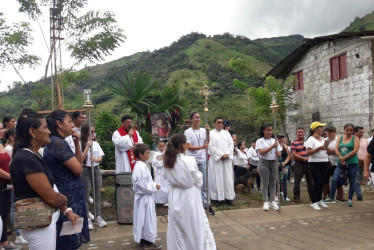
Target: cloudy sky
[(153, 24)]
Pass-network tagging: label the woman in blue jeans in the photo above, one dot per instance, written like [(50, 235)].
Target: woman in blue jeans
[(346, 149)]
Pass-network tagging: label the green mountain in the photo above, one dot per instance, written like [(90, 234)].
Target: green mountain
[(361, 24), (194, 60)]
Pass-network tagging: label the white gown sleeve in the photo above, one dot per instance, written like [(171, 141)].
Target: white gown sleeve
[(142, 182)]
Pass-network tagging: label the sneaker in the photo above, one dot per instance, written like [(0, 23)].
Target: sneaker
[(274, 205), (92, 217), (287, 199), (20, 240), (90, 200), (360, 199), (276, 198), (265, 207), (292, 180), (349, 203), (321, 204), (11, 245), (315, 206), (153, 246), (100, 221), (90, 226), (328, 200), (303, 180)]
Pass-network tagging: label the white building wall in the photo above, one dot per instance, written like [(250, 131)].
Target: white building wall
[(344, 101)]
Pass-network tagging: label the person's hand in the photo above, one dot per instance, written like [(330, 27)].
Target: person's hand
[(322, 147), (93, 159), (224, 157), (76, 137), (366, 175), (206, 144), (306, 158), (158, 186), (89, 144), (207, 126), (275, 145), (343, 163), (247, 167), (131, 132), (72, 217), (283, 164)]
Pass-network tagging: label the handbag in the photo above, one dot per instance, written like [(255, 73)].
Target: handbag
[(32, 213)]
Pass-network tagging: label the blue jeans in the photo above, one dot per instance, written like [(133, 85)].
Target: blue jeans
[(358, 181), (13, 212), (352, 172), (202, 168)]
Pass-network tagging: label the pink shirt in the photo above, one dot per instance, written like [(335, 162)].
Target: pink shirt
[(362, 151)]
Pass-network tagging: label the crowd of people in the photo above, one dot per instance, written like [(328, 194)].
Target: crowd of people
[(56, 160)]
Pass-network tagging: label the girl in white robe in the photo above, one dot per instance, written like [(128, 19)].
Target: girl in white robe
[(144, 220), (161, 196), (188, 226)]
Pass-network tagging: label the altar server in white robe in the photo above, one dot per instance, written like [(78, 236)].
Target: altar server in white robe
[(124, 139), (161, 196), (144, 220), (188, 226), (221, 174)]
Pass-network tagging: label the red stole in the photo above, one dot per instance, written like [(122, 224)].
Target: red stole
[(130, 152)]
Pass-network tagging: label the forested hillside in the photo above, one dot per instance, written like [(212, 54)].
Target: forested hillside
[(360, 24)]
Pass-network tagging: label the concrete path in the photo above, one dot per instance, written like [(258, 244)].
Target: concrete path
[(296, 227)]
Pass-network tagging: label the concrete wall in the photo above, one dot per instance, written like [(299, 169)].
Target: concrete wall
[(344, 101)]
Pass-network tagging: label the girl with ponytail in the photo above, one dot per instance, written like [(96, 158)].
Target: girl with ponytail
[(188, 226)]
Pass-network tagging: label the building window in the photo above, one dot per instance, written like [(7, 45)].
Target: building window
[(338, 66), (299, 84)]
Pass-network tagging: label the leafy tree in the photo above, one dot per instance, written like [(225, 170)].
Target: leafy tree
[(105, 124), (287, 106), (146, 97), (41, 94), (14, 40)]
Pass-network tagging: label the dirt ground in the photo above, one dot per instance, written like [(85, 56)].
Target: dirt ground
[(242, 200)]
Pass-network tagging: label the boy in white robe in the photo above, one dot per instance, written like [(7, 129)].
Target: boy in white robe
[(161, 196), (144, 220)]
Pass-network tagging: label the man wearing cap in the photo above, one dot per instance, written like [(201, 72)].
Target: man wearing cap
[(301, 168), (359, 132), (333, 158), (124, 140)]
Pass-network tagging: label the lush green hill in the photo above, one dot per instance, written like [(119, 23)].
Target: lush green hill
[(361, 24), (194, 60)]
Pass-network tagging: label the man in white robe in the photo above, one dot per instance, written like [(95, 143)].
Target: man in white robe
[(221, 177), (124, 139)]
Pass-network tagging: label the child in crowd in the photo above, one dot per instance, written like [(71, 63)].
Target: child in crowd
[(144, 222), (161, 197)]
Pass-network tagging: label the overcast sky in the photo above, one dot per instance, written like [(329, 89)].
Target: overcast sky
[(153, 24)]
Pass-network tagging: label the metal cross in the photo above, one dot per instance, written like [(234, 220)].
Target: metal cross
[(206, 93)]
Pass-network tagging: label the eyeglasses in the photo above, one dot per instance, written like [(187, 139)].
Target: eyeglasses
[(197, 118), (219, 122)]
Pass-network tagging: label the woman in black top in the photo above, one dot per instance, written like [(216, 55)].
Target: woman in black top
[(31, 177)]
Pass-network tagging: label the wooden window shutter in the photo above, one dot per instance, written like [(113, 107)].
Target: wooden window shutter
[(343, 66), (301, 80), (296, 86), (334, 65)]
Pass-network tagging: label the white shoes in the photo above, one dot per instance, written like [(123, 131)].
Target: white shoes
[(315, 206), (90, 226), (100, 221), (266, 206), (321, 204), (274, 205), (287, 199), (91, 216), (90, 200), (20, 240), (276, 198)]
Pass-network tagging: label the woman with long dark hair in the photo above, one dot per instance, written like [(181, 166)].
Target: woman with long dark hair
[(346, 149), (188, 226), (32, 178), (66, 167), (318, 162), (269, 151), (95, 159)]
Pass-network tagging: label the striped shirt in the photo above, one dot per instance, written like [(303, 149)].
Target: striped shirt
[(299, 148)]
